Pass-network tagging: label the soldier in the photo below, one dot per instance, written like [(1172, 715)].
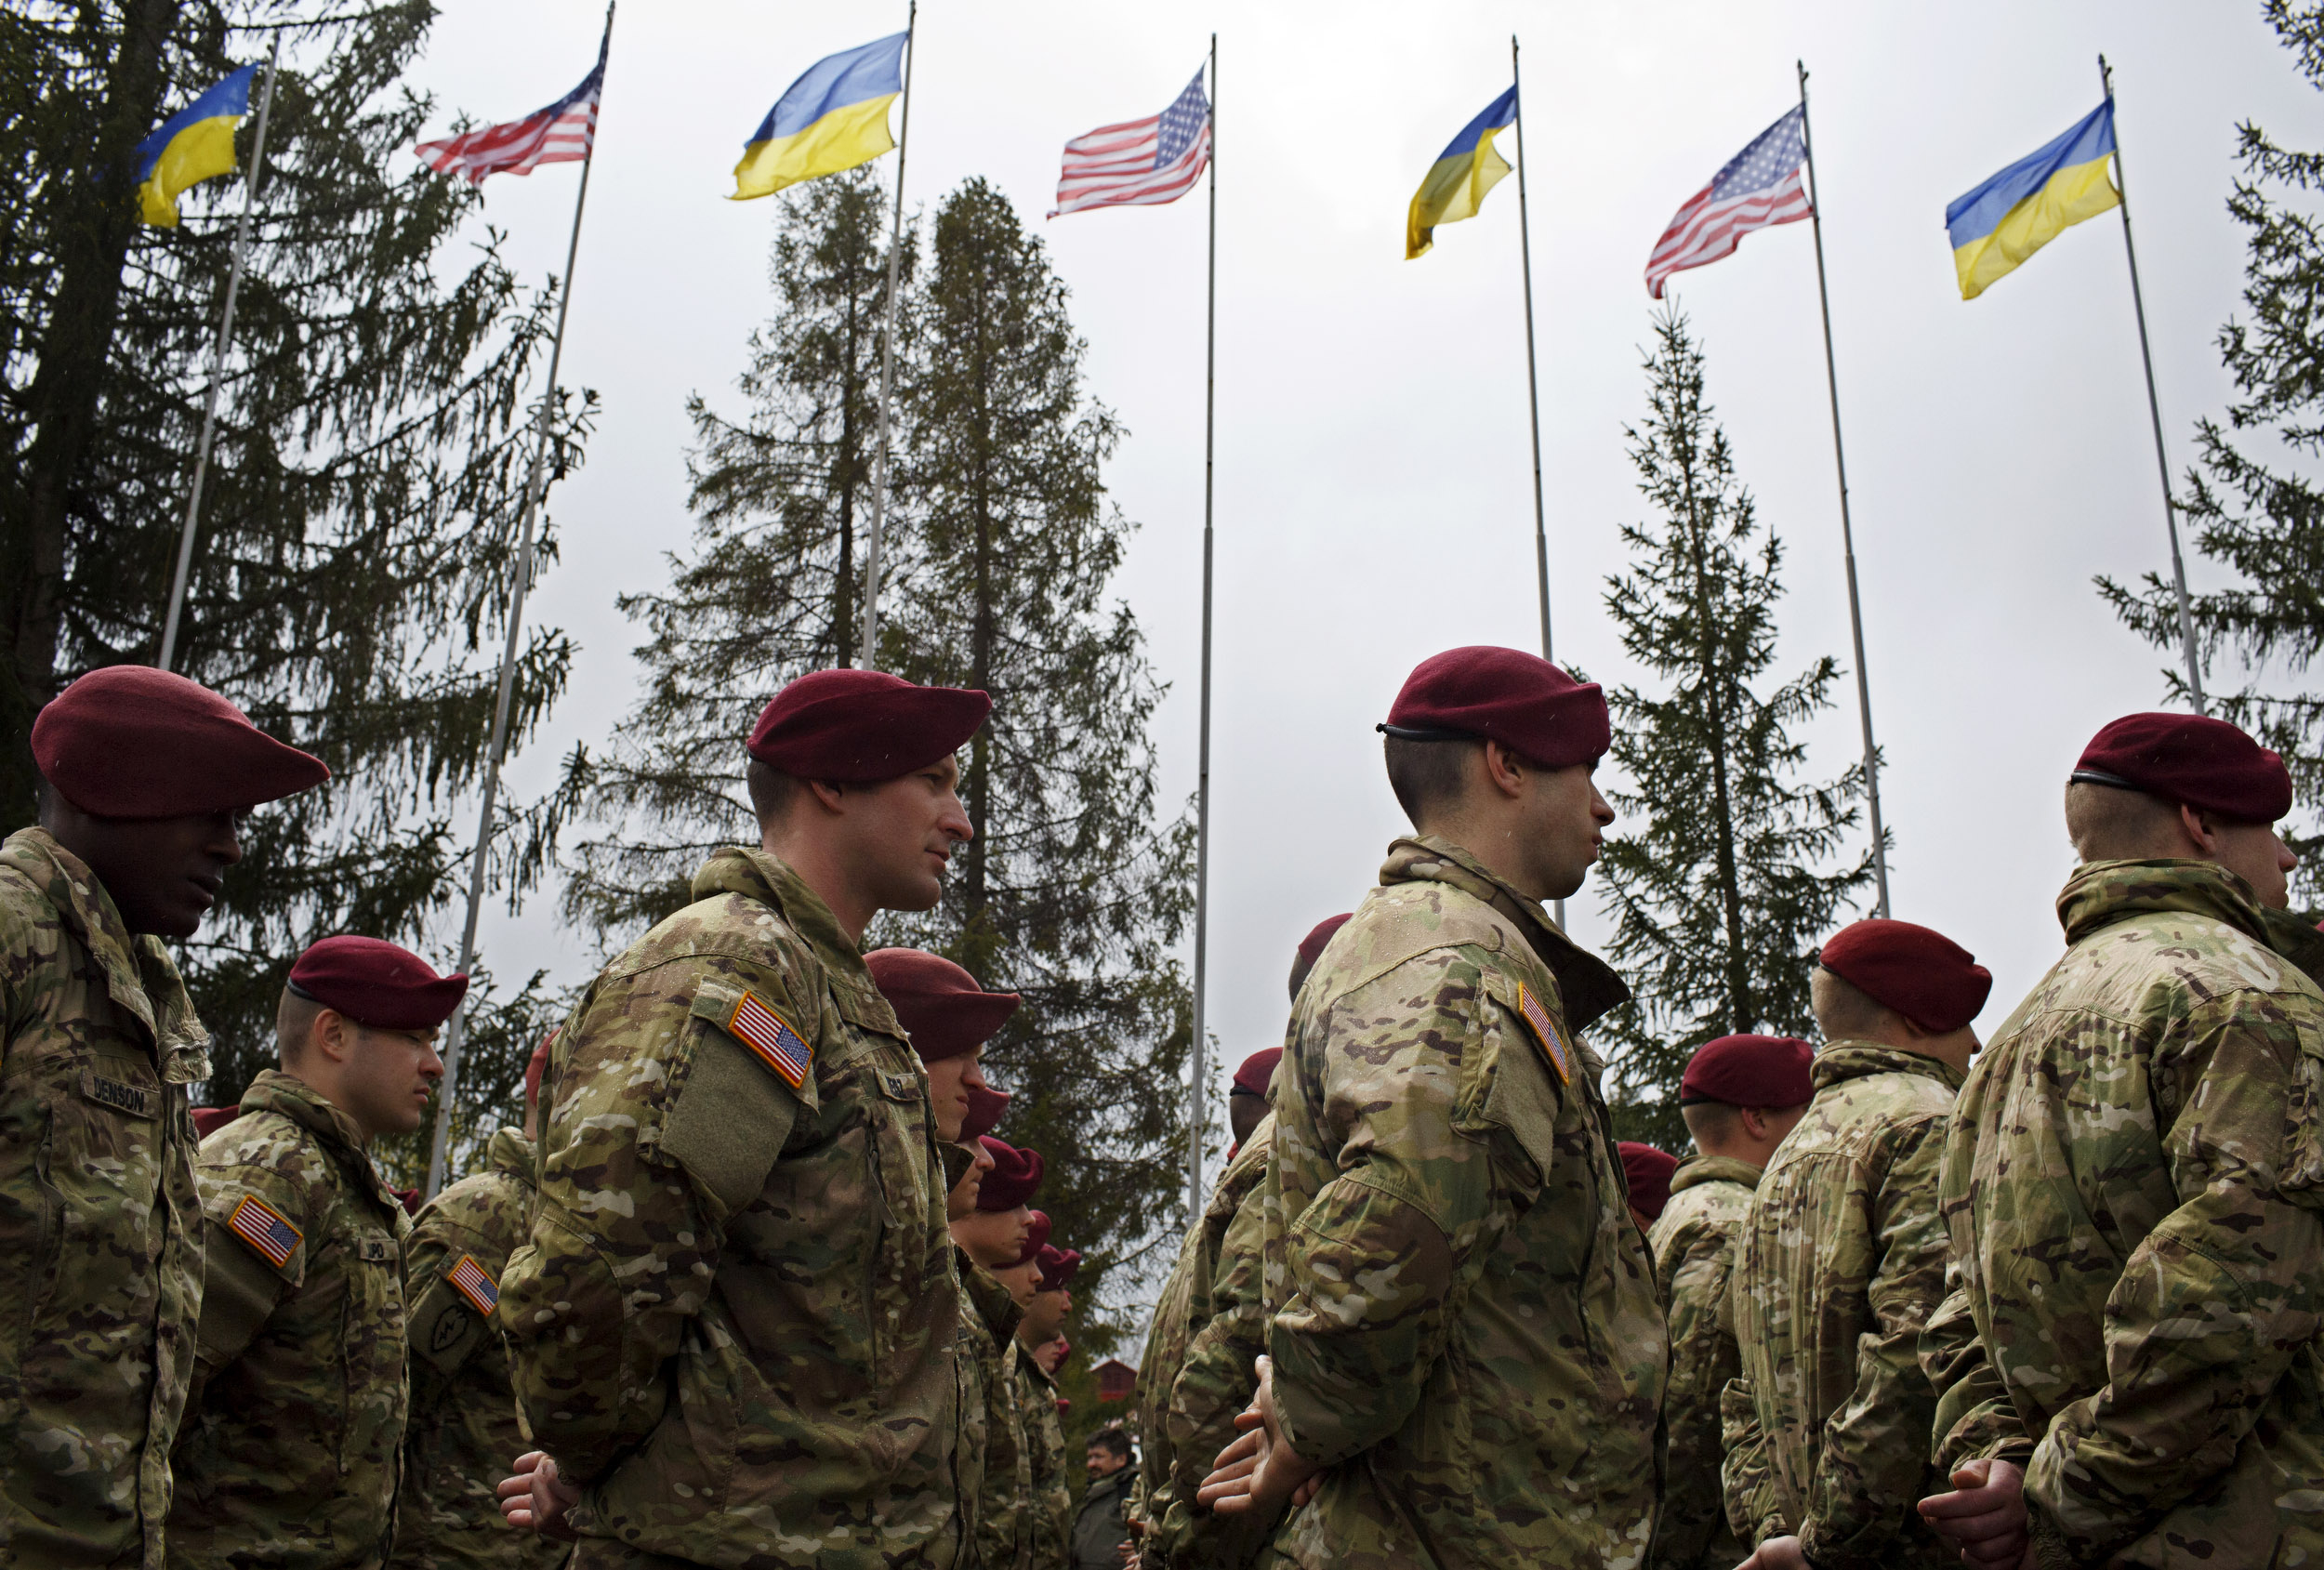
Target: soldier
[(1739, 1095), (733, 1323), (949, 1017), (1210, 1330), (463, 1430), (1840, 1261), (1466, 1351), (142, 777), (1646, 1175), (291, 1445), (2132, 1187), (1049, 1499)]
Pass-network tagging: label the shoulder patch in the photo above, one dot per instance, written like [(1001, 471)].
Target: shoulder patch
[(1545, 1033), (767, 1034), (271, 1236), (471, 1281)]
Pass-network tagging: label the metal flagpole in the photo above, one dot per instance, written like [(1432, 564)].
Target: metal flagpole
[(534, 485), (1533, 385), (217, 367), (1198, 1115), (1847, 530), (2154, 412), (888, 355)]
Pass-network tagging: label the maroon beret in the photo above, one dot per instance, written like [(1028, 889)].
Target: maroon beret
[(1750, 1071), (1035, 1237), (375, 983), (942, 1010), (2209, 764), (209, 1120), (132, 742), (537, 1065), (1057, 1267), (855, 727), (1924, 975), (410, 1198), (1311, 946), (1257, 1071), (985, 1105), (1648, 1170), (1015, 1176), (1506, 696)]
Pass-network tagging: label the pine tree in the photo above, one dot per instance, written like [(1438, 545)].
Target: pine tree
[(1719, 891), (1072, 892), (2252, 512), (358, 522), (771, 588)]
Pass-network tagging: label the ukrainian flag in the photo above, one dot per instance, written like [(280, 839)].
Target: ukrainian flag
[(192, 146), (833, 117), (1457, 182), (2032, 201)]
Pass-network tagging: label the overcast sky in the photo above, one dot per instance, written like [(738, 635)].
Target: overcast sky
[(1373, 486)]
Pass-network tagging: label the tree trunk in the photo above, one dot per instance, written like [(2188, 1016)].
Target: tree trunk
[(1742, 1015), (980, 635)]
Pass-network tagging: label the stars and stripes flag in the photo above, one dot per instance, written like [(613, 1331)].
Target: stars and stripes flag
[(262, 1226), (769, 1034), (472, 1282), (1760, 188), (560, 134), (1138, 163)]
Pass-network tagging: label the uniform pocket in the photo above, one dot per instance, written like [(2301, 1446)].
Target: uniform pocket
[(374, 1342)]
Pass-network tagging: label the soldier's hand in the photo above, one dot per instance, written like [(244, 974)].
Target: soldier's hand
[(534, 1499), (1985, 1517), (1260, 1472), (1777, 1553)]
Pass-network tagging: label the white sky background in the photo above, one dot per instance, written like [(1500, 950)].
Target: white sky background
[(1373, 487)]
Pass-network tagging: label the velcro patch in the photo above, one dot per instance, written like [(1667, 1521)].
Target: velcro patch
[(471, 1281), (263, 1227), (767, 1034), (113, 1093), (1545, 1031)]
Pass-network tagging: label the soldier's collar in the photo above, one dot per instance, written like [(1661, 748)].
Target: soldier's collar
[(2100, 893), (755, 874), (510, 1154), (1838, 1061), (289, 1097), (1587, 985), (1713, 1170)]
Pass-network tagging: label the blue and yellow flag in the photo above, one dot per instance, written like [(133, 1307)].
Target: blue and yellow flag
[(833, 117), (192, 146), (1457, 182), (2032, 201)]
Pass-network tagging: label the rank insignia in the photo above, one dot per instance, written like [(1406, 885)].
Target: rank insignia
[(1545, 1031), (263, 1227), (470, 1280), (767, 1034)]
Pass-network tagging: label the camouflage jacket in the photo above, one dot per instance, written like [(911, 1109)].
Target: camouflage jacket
[(1694, 1245), (1463, 1318), (464, 1437), (1213, 1378), (1840, 1261), (993, 1466), (294, 1430), (733, 1321), (2133, 1188), (1048, 1491), (101, 1239)]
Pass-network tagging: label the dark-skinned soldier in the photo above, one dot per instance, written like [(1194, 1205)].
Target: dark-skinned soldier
[(733, 1328), (143, 778), (293, 1439)]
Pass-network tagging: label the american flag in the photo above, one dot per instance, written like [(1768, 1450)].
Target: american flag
[(1138, 163), (1760, 187), (560, 134), (471, 1281), (260, 1225), (778, 1046)]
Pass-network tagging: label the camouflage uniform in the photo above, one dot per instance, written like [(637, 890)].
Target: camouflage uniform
[(1198, 1389), (1839, 1263), (294, 1430), (993, 1466), (1048, 1493), (1694, 1247), (733, 1321), (2133, 1188), (1464, 1325), (101, 1243), (464, 1437)]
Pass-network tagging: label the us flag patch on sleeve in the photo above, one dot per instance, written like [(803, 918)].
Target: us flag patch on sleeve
[(1545, 1031), (778, 1046), (471, 1281), (262, 1226)]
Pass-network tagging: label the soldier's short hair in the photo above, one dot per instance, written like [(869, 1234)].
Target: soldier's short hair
[(1426, 775), (1111, 1439), (1844, 1010), (772, 791), (1710, 1123), (294, 1017), (2108, 824)]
